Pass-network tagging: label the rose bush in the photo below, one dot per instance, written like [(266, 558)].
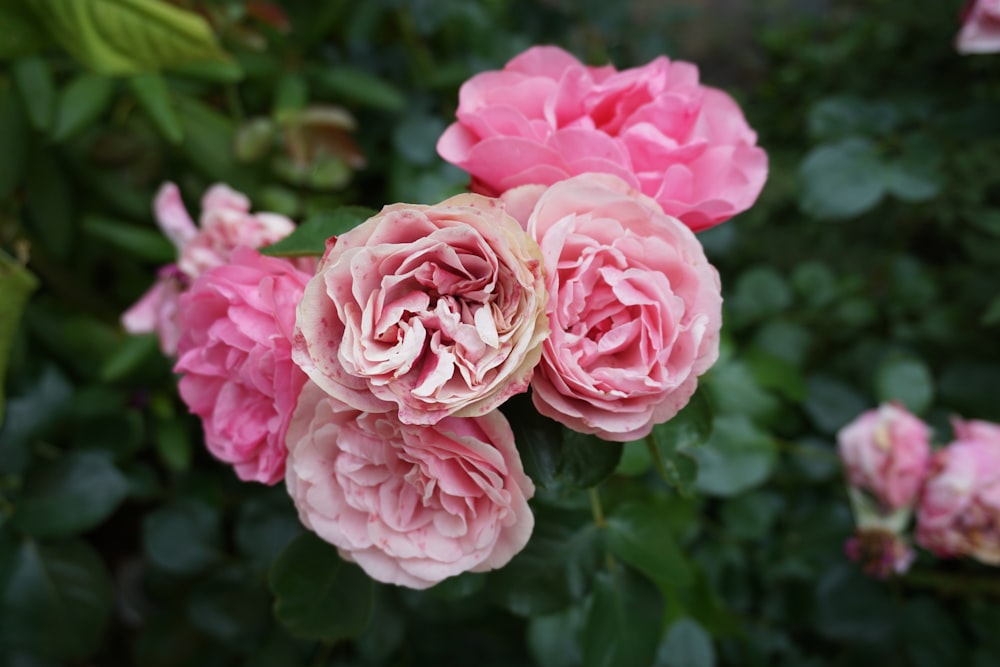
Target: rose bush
[(885, 452), (546, 117), (412, 505), (226, 222), (634, 306), (980, 32), (235, 351), (434, 310), (959, 510)]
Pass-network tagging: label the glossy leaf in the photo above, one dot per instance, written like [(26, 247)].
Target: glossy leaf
[(317, 595), (310, 237), (641, 535)]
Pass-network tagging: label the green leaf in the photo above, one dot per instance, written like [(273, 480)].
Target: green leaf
[(14, 135), (310, 237), (355, 85), (230, 605), (80, 103), (50, 210), (70, 496), (689, 428), (153, 96), (831, 403), (686, 644), (842, 180), (183, 537), (209, 137), (40, 407), (850, 606), (552, 639), (641, 535), (128, 36), (22, 35), (38, 90), (623, 622), (916, 175), (317, 595), (586, 460), (751, 516), (761, 293), (54, 600), (931, 634), (906, 380), (736, 458), (265, 525), (141, 242), (16, 285)]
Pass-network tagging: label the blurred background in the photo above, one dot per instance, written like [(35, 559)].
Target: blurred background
[(867, 271)]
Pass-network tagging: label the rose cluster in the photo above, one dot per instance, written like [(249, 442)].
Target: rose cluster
[(955, 491), (369, 380)]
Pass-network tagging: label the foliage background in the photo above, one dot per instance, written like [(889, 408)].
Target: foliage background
[(866, 272)]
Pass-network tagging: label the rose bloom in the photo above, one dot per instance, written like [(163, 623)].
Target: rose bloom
[(546, 117), (973, 429), (980, 31), (959, 510), (885, 452), (434, 310), (226, 222), (411, 505), (635, 307), (235, 352)]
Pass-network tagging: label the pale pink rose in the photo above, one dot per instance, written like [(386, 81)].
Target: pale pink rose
[(634, 306), (959, 510), (546, 117), (235, 352), (972, 429), (411, 505), (885, 453), (226, 222), (980, 31), (434, 310)]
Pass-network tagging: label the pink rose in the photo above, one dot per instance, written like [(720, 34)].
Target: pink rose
[(980, 31), (434, 310), (885, 453), (972, 429), (959, 510), (226, 222), (411, 505), (880, 552), (546, 117), (634, 306), (235, 351)]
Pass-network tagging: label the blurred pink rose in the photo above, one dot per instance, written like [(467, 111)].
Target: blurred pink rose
[(880, 552), (885, 452), (411, 505), (635, 307), (235, 352), (959, 510), (226, 222), (980, 31), (437, 310), (972, 429), (546, 117)]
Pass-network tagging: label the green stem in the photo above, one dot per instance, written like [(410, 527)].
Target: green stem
[(654, 453), (595, 507)]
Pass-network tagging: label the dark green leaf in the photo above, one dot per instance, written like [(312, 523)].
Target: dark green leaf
[(80, 103), (916, 175), (50, 210), (128, 36), (142, 242), (14, 134), (931, 634), (54, 600), (538, 438), (586, 460), (31, 414), (38, 90), (154, 97), (761, 292), (183, 537), (842, 180), (686, 644), (134, 351), (623, 622), (265, 524), (415, 138), (752, 515), (317, 595), (231, 605), (290, 95), (831, 403), (850, 606), (310, 237), (22, 35), (736, 458), (70, 496), (16, 285), (640, 534), (552, 639), (906, 380), (209, 137), (355, 85)]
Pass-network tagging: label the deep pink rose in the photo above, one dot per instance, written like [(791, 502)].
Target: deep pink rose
[(411, 505), (980, 31), (235, 352), (226, 222), (885, 453), (634, 306), (546, 117), (434, 310), (959, 510)]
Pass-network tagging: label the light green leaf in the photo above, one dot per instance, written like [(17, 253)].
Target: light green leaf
[(318, 595), (310, 237), (81, 102), (128, 36), (36, 84), (842, 180)]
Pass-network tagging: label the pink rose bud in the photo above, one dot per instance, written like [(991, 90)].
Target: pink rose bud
[(226, 222), (959, 510), (885, 453), (980, 32), (412, 505), (546, 117), (635, 307), (431, 310), (880, 552), (235, 351)]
